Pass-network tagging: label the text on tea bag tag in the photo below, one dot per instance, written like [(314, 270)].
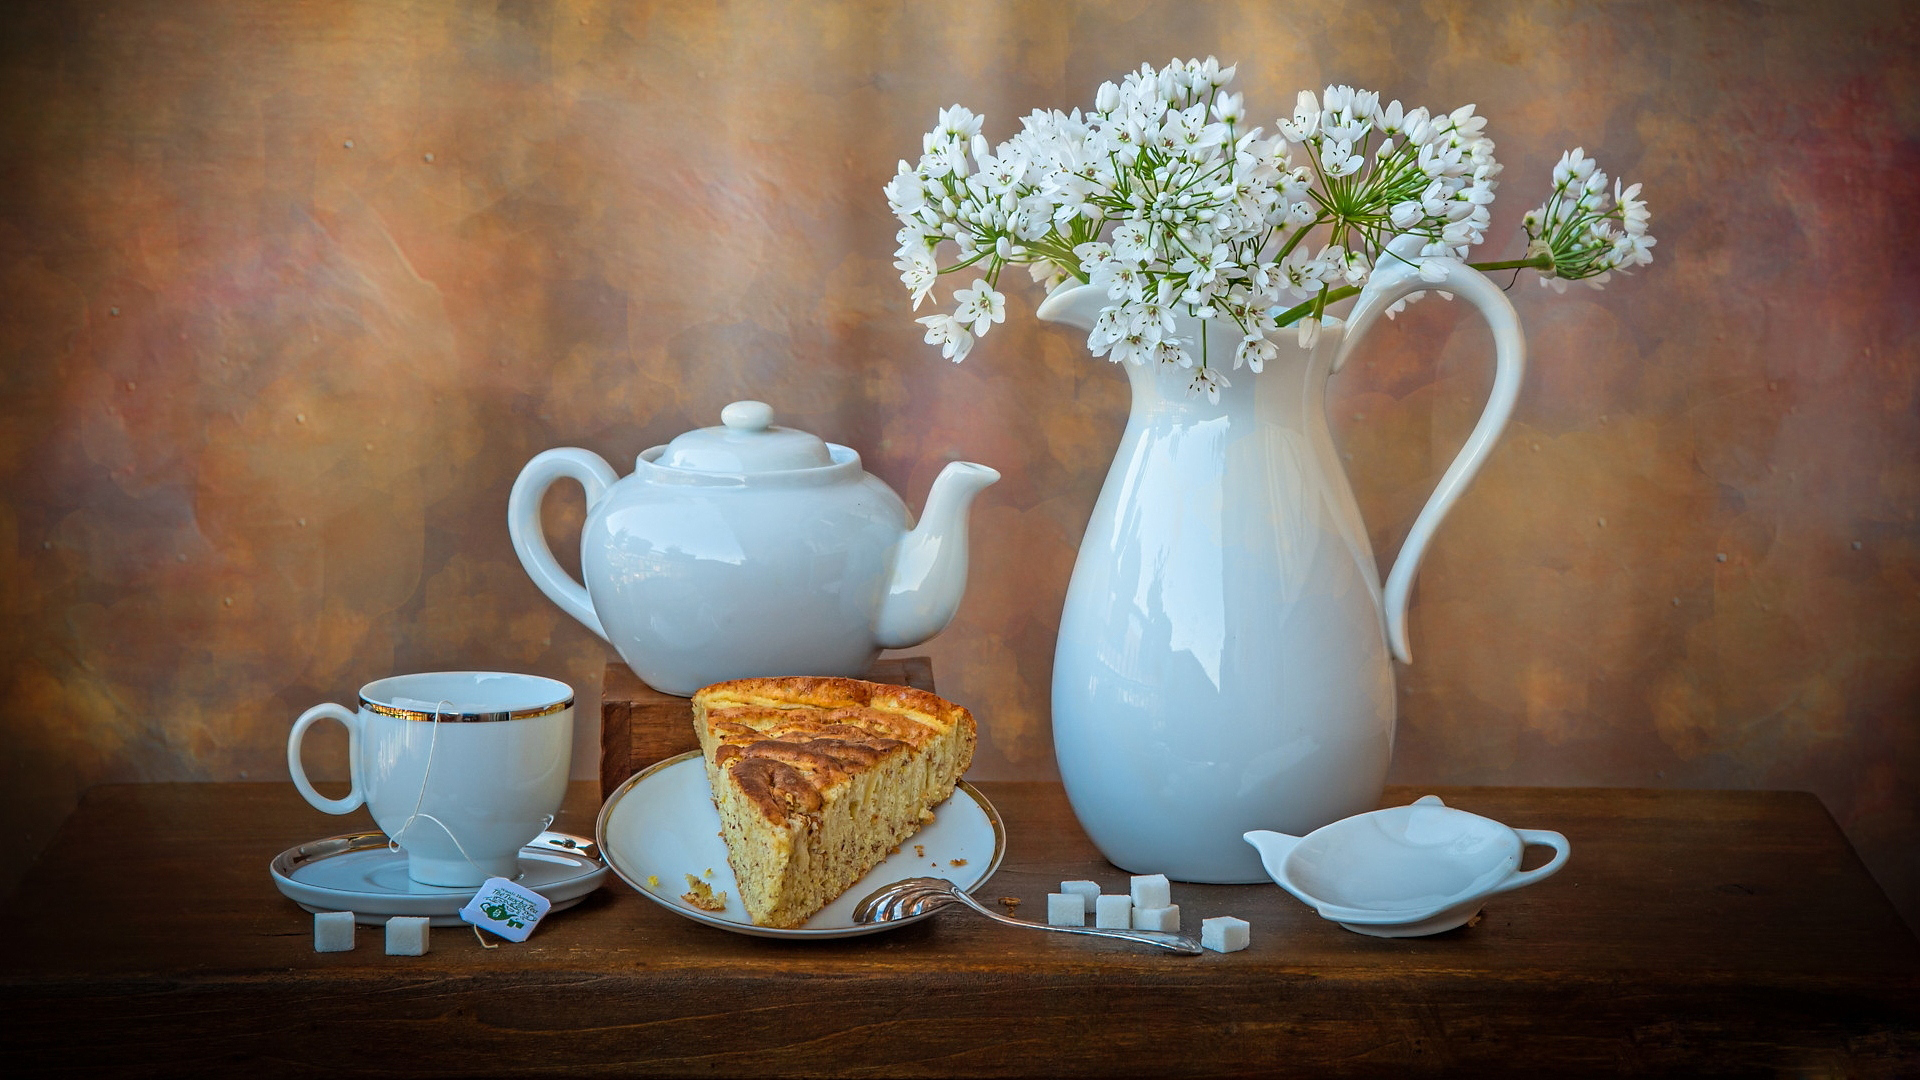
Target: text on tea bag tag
[(506, 909)]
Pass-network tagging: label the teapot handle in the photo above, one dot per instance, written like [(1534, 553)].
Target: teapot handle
[(595, 476), (1393, 278)]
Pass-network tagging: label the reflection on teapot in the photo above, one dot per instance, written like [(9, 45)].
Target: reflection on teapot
[(749, 549)]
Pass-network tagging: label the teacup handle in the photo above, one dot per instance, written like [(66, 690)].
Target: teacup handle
[(1537, 838), (351, 721)]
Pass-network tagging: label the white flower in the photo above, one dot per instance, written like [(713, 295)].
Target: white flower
[(957, 122), (1209, 381), (1388, 120), (947, 332), (1306, 118), (1171, 353), (1633, 212), (1580, 233), (1163, 199), (905, 193), (1254, 351), (1132, 348), (1204, 267), (943, 158), (1574, 168), (1634, 249), (1230, 109), (1338, 159), (980, 306), (1300, 272), (918, 272), (1133, 242)]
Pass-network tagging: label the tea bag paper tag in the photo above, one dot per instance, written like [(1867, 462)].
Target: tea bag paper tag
[(506, 909)]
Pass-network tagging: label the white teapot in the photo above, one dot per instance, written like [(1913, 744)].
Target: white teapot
[(749, 549)]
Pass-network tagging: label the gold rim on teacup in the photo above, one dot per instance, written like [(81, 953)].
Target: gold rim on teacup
[(456, 717)]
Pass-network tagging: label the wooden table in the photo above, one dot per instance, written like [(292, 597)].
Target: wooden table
[(1692, 933)]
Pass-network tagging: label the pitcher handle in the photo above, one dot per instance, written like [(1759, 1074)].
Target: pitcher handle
[(1393, 278), (594, 476)]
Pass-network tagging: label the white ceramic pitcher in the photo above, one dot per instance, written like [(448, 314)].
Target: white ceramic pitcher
[(1222, 663)]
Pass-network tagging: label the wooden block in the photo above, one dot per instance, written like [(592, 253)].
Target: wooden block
[(640, 725)]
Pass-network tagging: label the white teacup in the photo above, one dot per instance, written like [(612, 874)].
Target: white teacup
[(460, 768)]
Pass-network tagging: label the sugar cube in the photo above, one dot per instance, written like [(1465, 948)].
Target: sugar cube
[(332, 931), (1165, 919), (1066, 909), (407, 935), (1224, 934), (1114, 912), (1086, 890), (1151, 891)]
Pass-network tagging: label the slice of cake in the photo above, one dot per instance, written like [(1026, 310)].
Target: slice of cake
[(819, 779)]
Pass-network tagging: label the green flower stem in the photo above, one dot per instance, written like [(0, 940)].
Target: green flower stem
[(1306, 307), (1331, 296), (1538, 262)]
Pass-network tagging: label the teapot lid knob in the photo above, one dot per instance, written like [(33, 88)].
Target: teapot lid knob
[(747, 416), (745, 442)]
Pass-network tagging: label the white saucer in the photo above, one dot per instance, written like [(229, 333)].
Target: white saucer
[(660, 826), (359, 872)]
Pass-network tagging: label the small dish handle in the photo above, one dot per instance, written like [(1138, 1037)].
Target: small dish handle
[(1536, 838)]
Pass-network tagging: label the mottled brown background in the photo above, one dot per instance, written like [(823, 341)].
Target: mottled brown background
[(290, 291)]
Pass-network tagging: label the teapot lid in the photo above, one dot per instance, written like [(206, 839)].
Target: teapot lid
[(745, 442)]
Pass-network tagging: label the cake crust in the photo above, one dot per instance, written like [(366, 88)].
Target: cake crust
[(818, 778)]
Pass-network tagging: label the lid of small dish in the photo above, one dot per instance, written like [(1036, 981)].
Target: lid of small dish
[(745, 442)]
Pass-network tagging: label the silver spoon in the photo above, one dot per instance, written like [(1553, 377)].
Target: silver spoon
[(918, 895)]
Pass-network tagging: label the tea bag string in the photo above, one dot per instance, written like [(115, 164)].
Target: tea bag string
[(426, 775)]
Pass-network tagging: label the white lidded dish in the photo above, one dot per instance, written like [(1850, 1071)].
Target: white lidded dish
[(1406, 871)]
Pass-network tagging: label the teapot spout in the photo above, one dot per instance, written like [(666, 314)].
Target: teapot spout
[(930, 563)]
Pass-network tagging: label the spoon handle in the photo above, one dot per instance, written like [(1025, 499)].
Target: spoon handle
[(1185, 946)]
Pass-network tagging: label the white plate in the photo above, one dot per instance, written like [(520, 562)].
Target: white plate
[(661, 825), (358, 872)]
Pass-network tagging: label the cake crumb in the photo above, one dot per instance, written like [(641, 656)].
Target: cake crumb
[(956, 862), (1009, 902), (920, 850), (653, 881), (926, 817), (701, 895), (894, 850), (1475, 921), (709, 872)]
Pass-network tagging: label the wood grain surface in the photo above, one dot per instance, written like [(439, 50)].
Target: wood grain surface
[(1692, 933)]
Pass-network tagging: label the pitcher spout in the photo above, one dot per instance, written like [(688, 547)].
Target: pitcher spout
[(1073, 304), (930, 563)]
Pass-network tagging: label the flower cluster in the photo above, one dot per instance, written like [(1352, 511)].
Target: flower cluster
[(1582, 233), (1162, 196)]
